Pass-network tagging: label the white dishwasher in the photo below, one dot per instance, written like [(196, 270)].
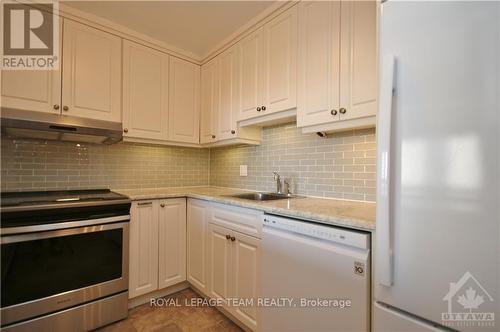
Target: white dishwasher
[(315, 277)]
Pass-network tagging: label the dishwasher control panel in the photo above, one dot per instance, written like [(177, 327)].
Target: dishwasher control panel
[(319, 231)]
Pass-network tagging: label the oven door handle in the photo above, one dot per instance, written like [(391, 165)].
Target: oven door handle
[(62, 225), (5, 239)]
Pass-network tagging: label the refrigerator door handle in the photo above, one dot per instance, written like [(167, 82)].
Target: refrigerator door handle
[(383, 235)]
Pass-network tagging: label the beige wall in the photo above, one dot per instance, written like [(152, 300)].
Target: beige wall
[(340, 166), (47, 165)]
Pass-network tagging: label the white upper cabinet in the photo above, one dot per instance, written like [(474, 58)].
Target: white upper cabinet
[(32, 90), (209, 101), (358, 66), (228, 94), (280, 57), (220, 99), (337, 71), (251, 74), (161, 98), (184, 101), (145, 92), (268, 79), (91, 73), (318, 64), (88, 85)]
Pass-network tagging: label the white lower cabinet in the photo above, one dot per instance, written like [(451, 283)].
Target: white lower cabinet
[(157, 249), (143, 248), (220, 257), (215, 247), (197, 235), (172, 242), (245, 272), (224, 255), (234, 260)]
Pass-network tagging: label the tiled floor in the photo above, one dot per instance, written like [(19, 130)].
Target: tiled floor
[(174, 319)]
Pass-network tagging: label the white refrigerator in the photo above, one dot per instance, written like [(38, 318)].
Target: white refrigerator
[(437, 261)]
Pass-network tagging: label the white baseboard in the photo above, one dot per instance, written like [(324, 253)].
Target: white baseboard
[(137, 301)]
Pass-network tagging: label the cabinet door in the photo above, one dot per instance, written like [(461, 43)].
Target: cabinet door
[(219, 252), (143, 248), (172, 242), (246, 277), (358, 66), (229, 93), (209, 101), (145, 92), (280, 92), (91, 78), (33, 90), (197, 235), (251, 74), (184, 101), (318, 62)]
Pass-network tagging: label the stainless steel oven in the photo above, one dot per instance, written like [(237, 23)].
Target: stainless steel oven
[(68, 271)]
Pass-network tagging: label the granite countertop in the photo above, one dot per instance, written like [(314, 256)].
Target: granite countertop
[(338, 212)]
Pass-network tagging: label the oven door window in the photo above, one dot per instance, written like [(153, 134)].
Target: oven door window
[(39, 268)]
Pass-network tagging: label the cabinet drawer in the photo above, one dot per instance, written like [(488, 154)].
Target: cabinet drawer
[(242, 220)]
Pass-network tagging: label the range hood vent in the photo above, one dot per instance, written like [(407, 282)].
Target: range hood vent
[(30, 124)]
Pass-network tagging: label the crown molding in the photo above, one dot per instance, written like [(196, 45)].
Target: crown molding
[(249, 27), (121, 31)]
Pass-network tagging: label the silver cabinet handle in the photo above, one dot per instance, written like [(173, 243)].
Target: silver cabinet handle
[(65, 108), (342, 110), (144, 203)]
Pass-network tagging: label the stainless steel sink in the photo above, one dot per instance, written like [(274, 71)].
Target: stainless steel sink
[(261, 196)]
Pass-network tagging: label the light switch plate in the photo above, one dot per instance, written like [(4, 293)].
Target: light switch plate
[(243, 170)]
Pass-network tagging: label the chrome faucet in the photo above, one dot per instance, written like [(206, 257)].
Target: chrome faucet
[(277, 178), (287, 187)]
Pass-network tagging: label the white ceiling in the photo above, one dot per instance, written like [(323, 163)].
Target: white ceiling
[(193, 26)]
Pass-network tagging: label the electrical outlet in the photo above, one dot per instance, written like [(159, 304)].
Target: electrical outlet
[(243, 170)]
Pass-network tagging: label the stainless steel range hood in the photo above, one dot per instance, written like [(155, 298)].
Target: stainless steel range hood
[(29, 124)]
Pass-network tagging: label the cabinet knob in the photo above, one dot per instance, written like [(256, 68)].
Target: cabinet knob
[(65, 108), (342, 110), (125, 130), (233, 238), (162, 204), (56, 107), (258, 109), (333, 112), (228, 236), (263, 108), (213, 136), (233, 132)]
